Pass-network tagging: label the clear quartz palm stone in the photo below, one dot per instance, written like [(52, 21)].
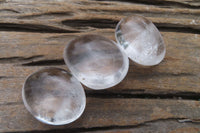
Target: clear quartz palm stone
[(140, 40), (53, 96), (96, 61)]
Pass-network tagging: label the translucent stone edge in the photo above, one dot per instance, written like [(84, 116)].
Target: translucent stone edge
[(125, 57), (118, 43), (46, 122)]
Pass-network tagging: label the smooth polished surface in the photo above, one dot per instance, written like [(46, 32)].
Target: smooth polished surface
[(141, 40), (53, 96), (96, 61), (149, 100)]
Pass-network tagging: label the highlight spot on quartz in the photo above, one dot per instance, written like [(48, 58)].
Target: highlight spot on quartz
[(53, 96), (96, 61), (140, 40)]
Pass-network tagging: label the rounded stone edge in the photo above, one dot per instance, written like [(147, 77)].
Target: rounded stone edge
[(118, 43), (29, 108), (123, 54)]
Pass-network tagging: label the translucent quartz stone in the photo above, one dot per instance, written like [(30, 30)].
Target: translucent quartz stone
[(96, 61), (53, 96), (140, 40)]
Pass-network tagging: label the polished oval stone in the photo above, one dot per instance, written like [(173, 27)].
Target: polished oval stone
[(53, 96), (140, 40), (96, 61)]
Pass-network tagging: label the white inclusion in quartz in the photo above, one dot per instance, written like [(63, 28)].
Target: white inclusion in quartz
[(53, 96), (140, 40), (96, 61)]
